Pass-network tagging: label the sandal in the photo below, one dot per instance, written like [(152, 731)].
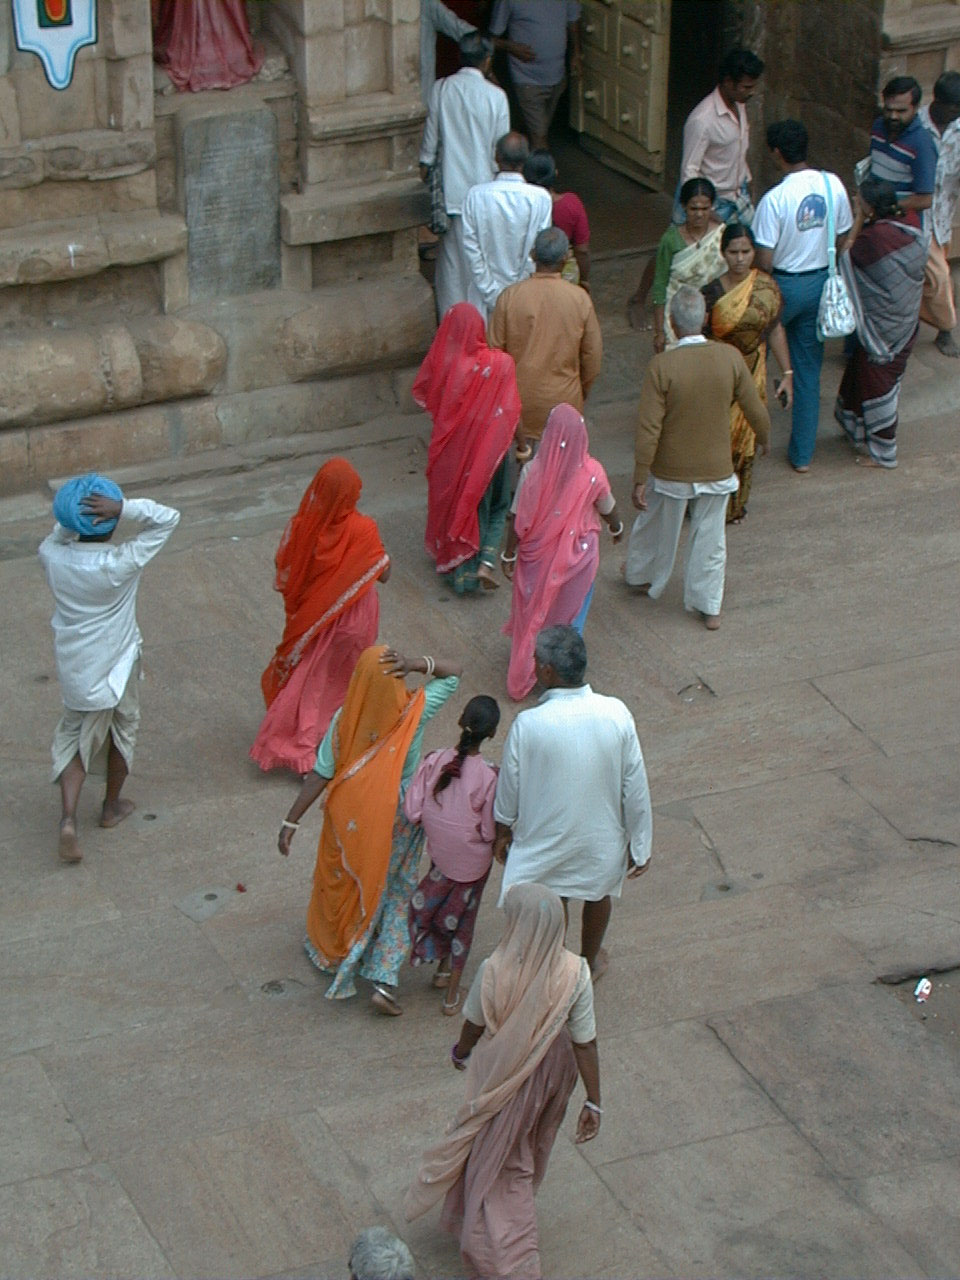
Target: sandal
[(384, 1001), (440, 979), (450, 1009)]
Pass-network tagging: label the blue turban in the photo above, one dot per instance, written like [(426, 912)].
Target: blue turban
[(68, 504)]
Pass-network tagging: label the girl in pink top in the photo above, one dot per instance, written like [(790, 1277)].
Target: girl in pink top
[(451, 797)]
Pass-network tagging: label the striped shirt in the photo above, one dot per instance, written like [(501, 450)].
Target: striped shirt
[(909, 161)]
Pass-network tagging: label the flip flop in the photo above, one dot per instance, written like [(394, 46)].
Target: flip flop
[(450, 1009), (440, 979)]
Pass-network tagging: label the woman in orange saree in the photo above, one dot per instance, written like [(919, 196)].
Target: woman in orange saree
[(369, 853), (329, 562), (743, 308)]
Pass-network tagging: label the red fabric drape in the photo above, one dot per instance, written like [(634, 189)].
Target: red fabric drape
[(204, 44)]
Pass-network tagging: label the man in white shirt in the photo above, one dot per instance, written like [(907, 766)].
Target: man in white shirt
[(436, 17), (790, 228), (465, 118), (942, 119), (501, 221), (96, 639), (716, 138), (573, 789)]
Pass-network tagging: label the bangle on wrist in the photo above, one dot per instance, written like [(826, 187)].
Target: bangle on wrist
[(615, 533), (457, 1062), (787, 373), (292, 826), (429, 666), (593, 1106), (508, 559), (526, 452)]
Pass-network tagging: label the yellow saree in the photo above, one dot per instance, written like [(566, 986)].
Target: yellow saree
[(743, 317)]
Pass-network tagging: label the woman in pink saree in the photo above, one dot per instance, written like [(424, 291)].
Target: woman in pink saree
[(553, 543), (204, 44), (528, 1029)]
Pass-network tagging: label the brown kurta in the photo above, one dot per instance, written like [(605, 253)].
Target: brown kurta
[(550, 328), (683, 426)]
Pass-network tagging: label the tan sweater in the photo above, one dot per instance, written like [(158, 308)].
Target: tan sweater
[(550, 328), (683, 427)]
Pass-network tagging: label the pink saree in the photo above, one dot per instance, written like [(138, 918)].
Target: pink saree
[(558, 550)]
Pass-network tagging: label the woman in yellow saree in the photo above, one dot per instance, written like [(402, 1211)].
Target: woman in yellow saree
[(743, 308)]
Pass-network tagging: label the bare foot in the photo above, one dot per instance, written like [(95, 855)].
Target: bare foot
[(384, 1002), (640, 588), (441, 979), (711, 621), (450, 1007), (486, 579), (113, 816), (864, 460), (69, 846), (600, 965)]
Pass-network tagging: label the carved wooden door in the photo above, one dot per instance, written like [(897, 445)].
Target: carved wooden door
[(619, 106)]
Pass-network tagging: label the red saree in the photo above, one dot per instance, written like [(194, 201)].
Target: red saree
[(204, 44), (470, 391)]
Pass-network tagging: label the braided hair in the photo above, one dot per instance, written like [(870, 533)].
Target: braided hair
[(479, 720)]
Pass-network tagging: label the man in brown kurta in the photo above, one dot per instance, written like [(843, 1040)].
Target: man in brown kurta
[(682, 455), (550, 328)]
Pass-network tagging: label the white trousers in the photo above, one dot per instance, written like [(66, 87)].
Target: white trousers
[(654, 539), (452, 278)]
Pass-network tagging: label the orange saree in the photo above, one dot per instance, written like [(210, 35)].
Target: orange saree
[(376, 727)]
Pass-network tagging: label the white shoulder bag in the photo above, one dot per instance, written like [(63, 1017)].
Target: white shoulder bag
[(835, 315)]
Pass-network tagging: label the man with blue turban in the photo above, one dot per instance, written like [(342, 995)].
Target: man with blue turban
[(96, 639)]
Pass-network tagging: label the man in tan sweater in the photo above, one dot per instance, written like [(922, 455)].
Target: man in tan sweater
[(682, 455), (550, 328)]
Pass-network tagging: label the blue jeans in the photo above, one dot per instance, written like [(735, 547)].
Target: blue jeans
[(801, 301)]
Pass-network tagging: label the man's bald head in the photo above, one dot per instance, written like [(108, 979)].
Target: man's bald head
[(512, 152)]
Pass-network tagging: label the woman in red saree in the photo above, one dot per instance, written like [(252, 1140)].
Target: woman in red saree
[(553, 544), (470, 392), (328, 563)]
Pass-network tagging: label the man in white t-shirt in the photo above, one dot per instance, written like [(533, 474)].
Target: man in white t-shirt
[(790, 228)]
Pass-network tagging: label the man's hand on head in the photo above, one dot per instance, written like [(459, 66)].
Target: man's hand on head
[(102, 508)]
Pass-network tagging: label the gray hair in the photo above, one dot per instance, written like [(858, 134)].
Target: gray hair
[(475, 49), (377, 1254), (687, 311), (551, 247), (563, 649)]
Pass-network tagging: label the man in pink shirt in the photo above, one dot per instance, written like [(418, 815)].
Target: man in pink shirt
[(717, 134)]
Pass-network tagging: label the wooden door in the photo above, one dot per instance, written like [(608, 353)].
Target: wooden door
[(619, 105)]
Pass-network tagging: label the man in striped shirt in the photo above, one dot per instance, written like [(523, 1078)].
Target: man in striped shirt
[(901, 149)]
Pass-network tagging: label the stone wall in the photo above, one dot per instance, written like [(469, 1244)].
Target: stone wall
[(822, 61)]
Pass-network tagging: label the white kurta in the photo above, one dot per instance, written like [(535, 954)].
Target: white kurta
[(501, 220), (96, 639), (574, 788)]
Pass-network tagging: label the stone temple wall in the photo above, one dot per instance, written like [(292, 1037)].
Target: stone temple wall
[(182, 271)]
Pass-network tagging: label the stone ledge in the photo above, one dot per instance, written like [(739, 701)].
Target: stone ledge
[(927, 28), (92, 154), (328, 213), (85, 246), (371, 116)]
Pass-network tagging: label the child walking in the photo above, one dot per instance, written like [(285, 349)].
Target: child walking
[(451, 797)]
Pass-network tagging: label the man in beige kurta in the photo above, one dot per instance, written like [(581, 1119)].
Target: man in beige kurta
[(550, 328)]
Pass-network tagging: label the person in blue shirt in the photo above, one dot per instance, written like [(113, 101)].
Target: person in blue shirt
[(901, 149)]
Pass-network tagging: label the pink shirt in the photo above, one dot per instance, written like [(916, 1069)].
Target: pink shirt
[(715, 141), (459, 822)]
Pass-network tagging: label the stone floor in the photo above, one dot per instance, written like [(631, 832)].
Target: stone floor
[(178, 1099)]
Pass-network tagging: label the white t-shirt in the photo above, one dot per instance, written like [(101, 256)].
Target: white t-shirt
[(791, 219)]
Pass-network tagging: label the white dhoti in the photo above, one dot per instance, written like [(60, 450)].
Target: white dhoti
[(655, 536), (452, 278), (88, 734), (938, 307)]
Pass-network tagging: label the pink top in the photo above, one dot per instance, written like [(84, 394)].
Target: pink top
[(571, 217), (715, 142), (459, 822)]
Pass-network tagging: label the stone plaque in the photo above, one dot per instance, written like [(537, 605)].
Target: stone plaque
[(227, 165)]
